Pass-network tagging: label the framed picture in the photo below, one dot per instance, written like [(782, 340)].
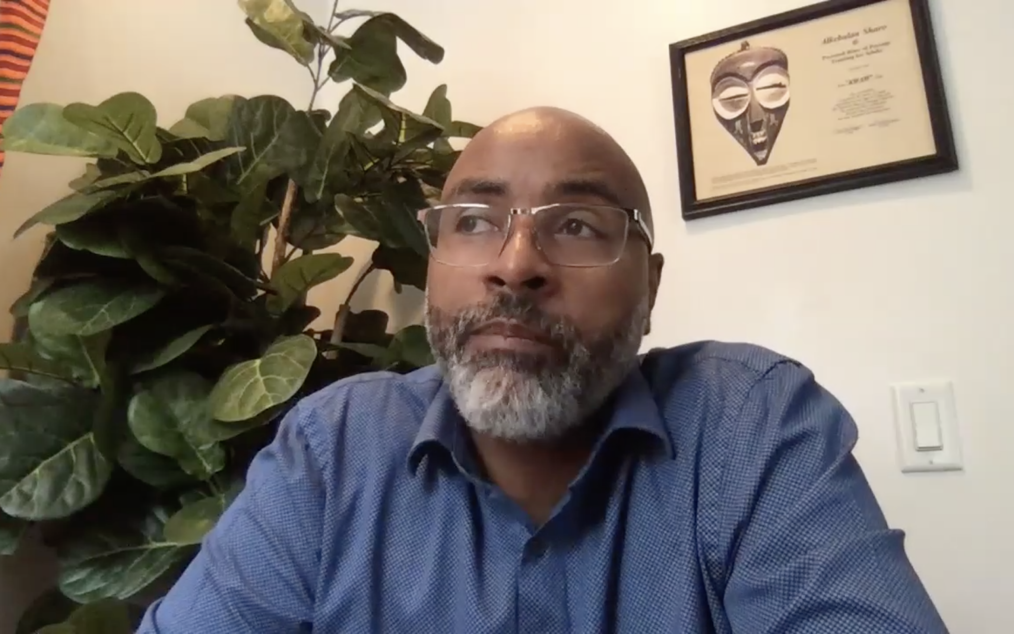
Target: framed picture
[(834, 96)]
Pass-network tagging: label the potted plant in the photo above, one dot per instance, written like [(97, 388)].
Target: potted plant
[(167, 328)]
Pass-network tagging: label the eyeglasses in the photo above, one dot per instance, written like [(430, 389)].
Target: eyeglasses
[(567, 234)]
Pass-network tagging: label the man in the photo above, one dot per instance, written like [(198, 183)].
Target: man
[(543, 477)]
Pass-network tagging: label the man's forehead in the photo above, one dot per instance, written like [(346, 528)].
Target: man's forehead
[(539, 139), (533, 153)]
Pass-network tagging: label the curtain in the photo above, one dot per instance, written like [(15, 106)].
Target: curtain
[(21, 24)]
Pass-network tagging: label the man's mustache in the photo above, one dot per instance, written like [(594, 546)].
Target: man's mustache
[(517, 309)]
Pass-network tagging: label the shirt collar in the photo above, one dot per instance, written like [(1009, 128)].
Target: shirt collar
[(632, 408)]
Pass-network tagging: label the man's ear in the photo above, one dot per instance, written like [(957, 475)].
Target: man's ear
[(655, 264)]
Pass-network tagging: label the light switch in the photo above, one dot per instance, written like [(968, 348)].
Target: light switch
[(927, 425)]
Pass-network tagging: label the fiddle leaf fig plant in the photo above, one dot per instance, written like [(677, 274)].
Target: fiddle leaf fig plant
[(167, 327)]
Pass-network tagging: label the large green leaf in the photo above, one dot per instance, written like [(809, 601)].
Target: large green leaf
[(462, 129), (357, 112), (38, 288), (405, 265), (373, 59), (206, 266), (82, 358), (251, 215), (191, 523), (41, 128), (48, 608), (128, 178), (91, 307), (249, 388), (279, 24), (218, 431), (179, 150), (321, 36), (184, 168), (389, 218), (359, 220), (400, 124), (163, 415), (277, 138), (329, 166), (198, 164), (95, 235), (409, 346), (12, 530), (316, 226), (50, 466), (172, 350), (83, 182), (69, 209), (118, 560), (367, 326), (154, 469), (207, 119), (438, 107), (127, 120), (22, 357), (329, 170), (294, 278)]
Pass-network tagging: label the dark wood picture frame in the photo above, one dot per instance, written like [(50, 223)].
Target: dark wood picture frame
[(944, 160)]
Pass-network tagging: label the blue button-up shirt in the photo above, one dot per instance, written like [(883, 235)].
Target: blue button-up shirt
[(722, 498)]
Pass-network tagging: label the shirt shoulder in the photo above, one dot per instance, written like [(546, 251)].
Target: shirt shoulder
[(714, 369), (369, 418), (710, 358), (709, 391)]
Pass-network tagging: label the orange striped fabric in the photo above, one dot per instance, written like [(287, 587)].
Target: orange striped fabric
[(21, 24)]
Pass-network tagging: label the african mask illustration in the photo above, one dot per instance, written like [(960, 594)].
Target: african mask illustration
[(750, 96)]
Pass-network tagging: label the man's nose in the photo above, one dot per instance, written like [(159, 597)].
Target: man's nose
[(520, 266)]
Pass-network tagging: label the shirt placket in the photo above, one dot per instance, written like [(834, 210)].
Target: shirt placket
[(542, 588)]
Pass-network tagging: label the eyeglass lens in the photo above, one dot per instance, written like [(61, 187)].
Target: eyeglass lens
[(575, 235)]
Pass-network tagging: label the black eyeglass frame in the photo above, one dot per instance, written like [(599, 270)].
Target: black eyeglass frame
[(633, 215)]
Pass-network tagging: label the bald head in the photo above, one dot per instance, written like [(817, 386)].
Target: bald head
[(552, 151)]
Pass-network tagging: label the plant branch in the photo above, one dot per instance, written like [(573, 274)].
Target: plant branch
[(338, 332), (331, 24), (283, 226), (320, 79), (359, 282), (318, 82)]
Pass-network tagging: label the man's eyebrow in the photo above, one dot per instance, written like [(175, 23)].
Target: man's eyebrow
[(586, 187), (480, 187)]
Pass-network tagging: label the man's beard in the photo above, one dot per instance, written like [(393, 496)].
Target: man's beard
[(525, 396)]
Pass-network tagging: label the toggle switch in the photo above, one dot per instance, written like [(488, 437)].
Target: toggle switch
[(927, 426)]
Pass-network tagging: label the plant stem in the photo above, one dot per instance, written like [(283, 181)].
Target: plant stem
[(343, 311), (283, 226), (359, 281), (331, 19), (320, 79), (321, 54)]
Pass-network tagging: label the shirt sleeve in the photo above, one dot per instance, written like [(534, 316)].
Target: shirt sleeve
[(256, 570), (809, 548)]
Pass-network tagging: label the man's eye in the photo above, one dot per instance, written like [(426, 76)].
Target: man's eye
[(473, 224), (576, 228)]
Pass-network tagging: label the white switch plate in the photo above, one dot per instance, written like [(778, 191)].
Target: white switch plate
[(926, 419)]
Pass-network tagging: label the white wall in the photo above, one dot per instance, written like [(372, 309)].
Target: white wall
[(868, 288), (174, 52)]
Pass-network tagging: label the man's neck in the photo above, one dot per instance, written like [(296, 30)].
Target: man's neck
[(535, 475)]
